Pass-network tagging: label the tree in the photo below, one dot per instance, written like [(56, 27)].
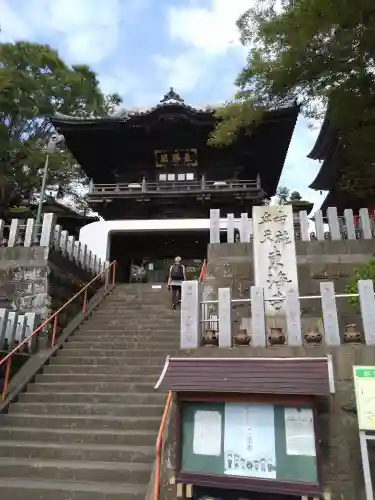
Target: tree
[(282, 195), (35, 84), (310, 52), (364, 272)]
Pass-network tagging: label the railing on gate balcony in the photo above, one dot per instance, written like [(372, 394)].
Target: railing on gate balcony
[(194, 324), (108, 275), (168, 186)]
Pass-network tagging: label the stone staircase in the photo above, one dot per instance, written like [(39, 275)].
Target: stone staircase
[(86, 429)]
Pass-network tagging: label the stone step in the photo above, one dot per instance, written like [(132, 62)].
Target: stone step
[(154, 311), (122, 371), (136, 309), (144, 318), (26, 489), (93, 398), (82, 343), (81, 383), (157, 352), (131, 294), (92, 422), (129, 342), (145, 300), (79, 436), (128, 335), (114, 410), (148, 303), (140, 360), (135, 328), (157, 311), (58, 470), (134, 323), (78, 451)]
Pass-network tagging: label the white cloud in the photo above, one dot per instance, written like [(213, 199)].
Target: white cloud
[(88, 30), (207, 33), (12, 24), (211, 29), (183, 72)]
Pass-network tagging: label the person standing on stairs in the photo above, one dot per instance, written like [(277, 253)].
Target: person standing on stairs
[(177, 275)]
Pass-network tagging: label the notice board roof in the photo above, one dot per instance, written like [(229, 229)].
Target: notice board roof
[(300, 376)]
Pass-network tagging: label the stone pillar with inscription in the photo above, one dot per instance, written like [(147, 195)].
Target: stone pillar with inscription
[(275, 261)]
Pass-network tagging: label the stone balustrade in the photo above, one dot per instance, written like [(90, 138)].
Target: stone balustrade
[(211, 321), (48, 234), (331, 227), (15, 327)]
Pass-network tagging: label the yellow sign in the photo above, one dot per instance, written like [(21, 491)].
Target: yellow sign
[(364, 386), (185, 157)]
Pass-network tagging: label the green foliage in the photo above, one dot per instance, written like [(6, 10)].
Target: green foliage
[(364, 272), (282, 195), (234, 117), (35, 84), (312, 51)]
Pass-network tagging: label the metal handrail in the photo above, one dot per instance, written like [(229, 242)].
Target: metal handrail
[(8, 358), (158, 447), (203, 270)]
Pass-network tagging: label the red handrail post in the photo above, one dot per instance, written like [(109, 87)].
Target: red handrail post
[(158, 449), (203, 271), (54, 330), (6, 380), (84, 305), (106, 276), (114, 272)]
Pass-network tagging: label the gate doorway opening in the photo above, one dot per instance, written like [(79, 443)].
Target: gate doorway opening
[(154, 251)]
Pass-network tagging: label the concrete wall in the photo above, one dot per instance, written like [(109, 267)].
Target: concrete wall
[(342, 470)]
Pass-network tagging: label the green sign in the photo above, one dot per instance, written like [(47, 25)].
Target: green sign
[(249, 440), (365, 372)]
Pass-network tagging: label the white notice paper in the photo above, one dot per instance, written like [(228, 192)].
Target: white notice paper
[(249, 440), (207, 433), (299, 432)]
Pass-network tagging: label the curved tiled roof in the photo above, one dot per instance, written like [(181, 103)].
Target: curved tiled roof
[(325, 148), (170, 100)]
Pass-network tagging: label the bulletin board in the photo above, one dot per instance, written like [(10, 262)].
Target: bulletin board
[(249, 440)]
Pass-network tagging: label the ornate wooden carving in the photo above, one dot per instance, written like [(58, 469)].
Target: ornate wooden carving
[(172, 97)]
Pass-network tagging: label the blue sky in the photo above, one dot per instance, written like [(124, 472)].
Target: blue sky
[(140, 48)]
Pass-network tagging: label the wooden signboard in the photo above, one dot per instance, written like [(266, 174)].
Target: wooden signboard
[(176, 157)]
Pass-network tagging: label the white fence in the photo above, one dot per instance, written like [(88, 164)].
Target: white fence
[(320, 228), (192, 315), (27, 234)]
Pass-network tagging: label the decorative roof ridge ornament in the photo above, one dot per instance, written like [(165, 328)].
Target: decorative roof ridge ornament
[(171, 97)]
